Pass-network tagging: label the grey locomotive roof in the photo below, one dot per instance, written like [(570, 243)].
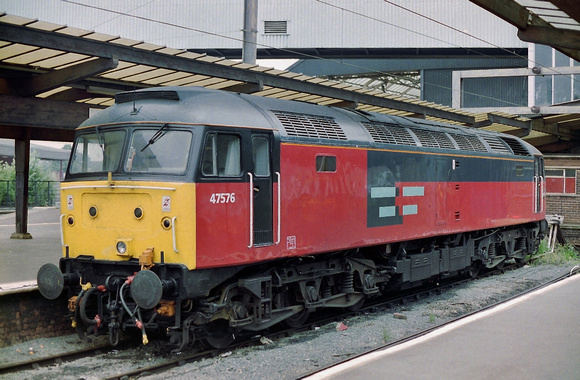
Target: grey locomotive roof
[(298, 121)]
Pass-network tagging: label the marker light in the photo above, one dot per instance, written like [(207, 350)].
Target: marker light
[(93, 211)]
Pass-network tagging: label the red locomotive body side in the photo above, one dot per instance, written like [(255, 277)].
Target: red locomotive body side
[(323, 211)]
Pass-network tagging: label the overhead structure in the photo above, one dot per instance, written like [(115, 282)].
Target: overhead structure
[(554, 23), (52, 74)]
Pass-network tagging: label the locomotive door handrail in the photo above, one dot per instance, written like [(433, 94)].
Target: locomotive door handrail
[(251, 210), (173, 232), (542, 193), (279, 208), (62, 231), (538, 194)]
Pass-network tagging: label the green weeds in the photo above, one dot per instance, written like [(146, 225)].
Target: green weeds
[(562, 254)]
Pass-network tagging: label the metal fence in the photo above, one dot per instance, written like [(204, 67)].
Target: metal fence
[(40, 193)]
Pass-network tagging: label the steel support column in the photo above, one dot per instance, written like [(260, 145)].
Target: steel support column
[(22, 162)]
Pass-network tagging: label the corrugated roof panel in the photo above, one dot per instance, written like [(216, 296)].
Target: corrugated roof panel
[(269, 91), (101, 37), (64, 60), (34, 56), (209, 58), (147, 75), (16, 20), (282, 94), (125, 41), (148, 46), (97, 101), (127, 72), (186, 79), (76, 32), (188, 54), (53, 91), (169, 51), (295, 96), (168, 78), (207, 82), (14, 50), (43, 25), (223, 84), (156, 76)]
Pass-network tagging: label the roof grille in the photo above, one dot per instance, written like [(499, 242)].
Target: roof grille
[(130, 96), (312, 126), (496, 144), (516, 146), (470, 143), (390, 134), (276, 27), (433, 139)]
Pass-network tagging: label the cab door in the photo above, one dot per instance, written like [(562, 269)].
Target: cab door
[(261, 187)]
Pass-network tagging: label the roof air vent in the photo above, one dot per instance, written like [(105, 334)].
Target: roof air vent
[(275, 27), (313, 126), (516, 146), (390, 134)]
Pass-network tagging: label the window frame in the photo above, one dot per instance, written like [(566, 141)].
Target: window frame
[(216, 173), (326, 163), (563, 177)]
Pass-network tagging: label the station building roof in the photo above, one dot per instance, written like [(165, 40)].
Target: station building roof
[(52, 75)]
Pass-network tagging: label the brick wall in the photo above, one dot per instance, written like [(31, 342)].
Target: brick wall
[(27, 316), (566, 205)]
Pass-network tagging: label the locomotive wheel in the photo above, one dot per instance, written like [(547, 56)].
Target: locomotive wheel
[(357, 306), (297, 319), (219, 334), (474, 269)]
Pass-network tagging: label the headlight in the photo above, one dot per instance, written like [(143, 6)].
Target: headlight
[(121, 247)]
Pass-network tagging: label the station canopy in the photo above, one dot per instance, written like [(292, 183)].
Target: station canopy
[(51, 75)]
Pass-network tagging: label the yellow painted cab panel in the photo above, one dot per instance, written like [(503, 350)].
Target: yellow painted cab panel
[(99, 216)]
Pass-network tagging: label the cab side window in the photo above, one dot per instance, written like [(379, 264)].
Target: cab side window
[(261, 156), (222, 156)]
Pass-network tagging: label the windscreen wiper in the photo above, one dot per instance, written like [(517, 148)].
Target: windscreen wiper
[(155, 137)]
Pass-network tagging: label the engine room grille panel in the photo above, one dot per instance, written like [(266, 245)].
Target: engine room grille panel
[(470, 143), (433, 139), (496, 144), (516, 147), (390, 134), (312, 126)]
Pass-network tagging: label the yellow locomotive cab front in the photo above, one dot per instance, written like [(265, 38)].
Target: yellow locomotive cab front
[(119, 220)]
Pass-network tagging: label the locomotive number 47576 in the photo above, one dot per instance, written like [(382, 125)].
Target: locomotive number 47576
[(217, 198)]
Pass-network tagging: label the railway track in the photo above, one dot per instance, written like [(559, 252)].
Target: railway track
[(317, 319), (61, 358)]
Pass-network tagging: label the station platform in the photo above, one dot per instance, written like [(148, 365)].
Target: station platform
[(20, 259), (536, 336)]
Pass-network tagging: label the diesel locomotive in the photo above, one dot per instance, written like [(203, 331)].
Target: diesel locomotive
[(203, 213)]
